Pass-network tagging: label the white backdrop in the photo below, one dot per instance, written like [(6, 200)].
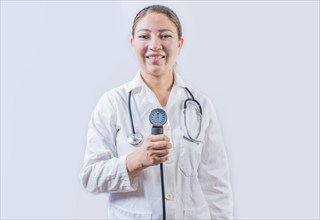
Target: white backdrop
[(257, 60)]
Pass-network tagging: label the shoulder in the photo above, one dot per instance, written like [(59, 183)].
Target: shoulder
[(197, 94), (113, 97), (120, 93), (203, 99)]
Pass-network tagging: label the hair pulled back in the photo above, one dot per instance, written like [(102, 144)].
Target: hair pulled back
[(161, 10)]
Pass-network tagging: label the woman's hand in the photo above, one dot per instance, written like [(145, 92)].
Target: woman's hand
[(154, 150)]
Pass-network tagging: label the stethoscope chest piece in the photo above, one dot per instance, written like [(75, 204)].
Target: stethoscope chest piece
[(135, 138)]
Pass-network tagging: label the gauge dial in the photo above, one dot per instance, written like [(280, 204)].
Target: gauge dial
[(158, 117)]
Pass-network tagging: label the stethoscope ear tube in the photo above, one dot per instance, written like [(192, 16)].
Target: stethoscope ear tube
[(191, 99), (130, 112), (135, 137)]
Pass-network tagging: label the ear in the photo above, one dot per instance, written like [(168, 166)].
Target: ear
[(181, 41), (131, 41)]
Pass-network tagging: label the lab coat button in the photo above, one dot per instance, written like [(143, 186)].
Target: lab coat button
[(169, 196), (166, 127)]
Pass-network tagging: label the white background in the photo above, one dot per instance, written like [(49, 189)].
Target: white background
[(257, 60)]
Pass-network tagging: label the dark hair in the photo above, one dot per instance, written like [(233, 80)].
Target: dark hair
[(161, 10)]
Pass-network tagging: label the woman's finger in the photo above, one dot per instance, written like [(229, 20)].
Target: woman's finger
[(159, 145), (155, 138), (159, 153)]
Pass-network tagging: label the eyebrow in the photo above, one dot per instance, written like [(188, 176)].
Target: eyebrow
[(161, 30)]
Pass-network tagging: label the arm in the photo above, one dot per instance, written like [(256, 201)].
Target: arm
[(214, 171), (103, 170)]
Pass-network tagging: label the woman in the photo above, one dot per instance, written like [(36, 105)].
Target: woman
[(196, 178)]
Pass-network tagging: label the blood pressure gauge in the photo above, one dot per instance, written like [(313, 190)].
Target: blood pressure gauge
[(158, 117)]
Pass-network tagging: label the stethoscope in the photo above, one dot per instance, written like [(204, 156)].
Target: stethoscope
[(136, 137)]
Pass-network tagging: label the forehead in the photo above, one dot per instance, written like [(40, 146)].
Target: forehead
[(154, 21)]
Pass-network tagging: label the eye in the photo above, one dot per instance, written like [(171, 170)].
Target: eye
[(166, 36), (143, 36)]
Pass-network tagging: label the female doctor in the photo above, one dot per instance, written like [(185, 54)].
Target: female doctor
[(121, 156)]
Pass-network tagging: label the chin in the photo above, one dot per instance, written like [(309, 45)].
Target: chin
[(155, 71)]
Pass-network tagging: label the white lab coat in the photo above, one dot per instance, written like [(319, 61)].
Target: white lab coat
[(196, 176)]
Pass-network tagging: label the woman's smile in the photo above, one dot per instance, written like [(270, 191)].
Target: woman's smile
[(156, 44), (155, 58)]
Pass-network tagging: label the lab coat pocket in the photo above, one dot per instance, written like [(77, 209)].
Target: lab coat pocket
[(122, 213), (190, 156), (202, 212)]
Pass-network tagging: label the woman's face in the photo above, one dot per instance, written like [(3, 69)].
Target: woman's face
[(156, 44)]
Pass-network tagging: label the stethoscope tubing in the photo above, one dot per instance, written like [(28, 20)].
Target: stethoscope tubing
[(130, 112), (162, 192), (134, 136), (191, 99)]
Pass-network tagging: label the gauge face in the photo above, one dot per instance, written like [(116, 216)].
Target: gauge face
[(158, 117)]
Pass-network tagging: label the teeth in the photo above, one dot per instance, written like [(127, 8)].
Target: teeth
[(155, 57)]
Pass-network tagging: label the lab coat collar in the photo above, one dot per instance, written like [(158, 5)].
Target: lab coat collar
[(137, 82), (178, 81)]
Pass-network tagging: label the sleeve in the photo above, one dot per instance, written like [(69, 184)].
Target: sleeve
[(103, 171), (214, 171)]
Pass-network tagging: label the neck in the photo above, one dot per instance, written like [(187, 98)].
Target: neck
[(161, 83)]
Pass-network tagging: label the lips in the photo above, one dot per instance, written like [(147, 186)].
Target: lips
[(155, 56)]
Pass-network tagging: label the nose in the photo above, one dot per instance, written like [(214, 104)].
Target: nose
[(155, 44)]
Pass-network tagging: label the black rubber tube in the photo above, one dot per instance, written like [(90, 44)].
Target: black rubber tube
[(156, 130), (162, 190)]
